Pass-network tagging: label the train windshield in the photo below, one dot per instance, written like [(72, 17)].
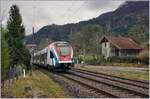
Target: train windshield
[(64, 49)]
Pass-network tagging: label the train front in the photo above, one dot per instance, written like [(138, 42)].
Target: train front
[(65, 55)]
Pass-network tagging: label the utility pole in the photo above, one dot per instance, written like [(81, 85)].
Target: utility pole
[(32, 53)]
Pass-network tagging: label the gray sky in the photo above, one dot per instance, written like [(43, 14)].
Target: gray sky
[(40, 13)]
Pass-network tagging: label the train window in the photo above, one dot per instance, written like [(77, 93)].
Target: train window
[(64, 50), (51, 54)]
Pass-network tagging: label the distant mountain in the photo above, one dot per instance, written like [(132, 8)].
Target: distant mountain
[(118, 22)]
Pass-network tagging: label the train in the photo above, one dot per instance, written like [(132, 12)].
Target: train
[(57, 55)]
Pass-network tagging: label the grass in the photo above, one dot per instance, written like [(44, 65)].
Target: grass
[(93, 60), (40, 83), (141, 75), (129, 65)]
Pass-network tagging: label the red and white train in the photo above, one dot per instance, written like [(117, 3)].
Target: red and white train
[(58, 55)]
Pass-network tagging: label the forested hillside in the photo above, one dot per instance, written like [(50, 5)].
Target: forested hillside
[(129, 19)]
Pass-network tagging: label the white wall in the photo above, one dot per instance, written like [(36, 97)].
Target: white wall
[(106, 49)]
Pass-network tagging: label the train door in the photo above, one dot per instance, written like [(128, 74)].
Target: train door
[(52, 59)]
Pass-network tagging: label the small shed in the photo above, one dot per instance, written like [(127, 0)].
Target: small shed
[(119, 46)]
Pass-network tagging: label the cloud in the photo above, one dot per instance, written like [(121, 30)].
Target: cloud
[(103, 4), (41, 13)]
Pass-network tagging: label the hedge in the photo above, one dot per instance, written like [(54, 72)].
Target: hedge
[(127, 59)]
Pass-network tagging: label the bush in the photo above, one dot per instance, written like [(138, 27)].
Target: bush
[(144, 60), (144, 56), (128, 59), (99, 60), (92, 59), (80, 58)]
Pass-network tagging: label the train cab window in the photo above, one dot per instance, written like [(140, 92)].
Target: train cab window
[(51, 54), (64, 49)]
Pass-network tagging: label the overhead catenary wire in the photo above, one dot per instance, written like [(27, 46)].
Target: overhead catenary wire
[(68, 10), (35, 16), (76, 11), (69, 17)]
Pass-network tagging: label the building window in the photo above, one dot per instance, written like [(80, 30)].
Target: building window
[(105, 44), (117, 52)]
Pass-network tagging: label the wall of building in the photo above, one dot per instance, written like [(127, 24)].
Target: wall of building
[(129, 52), (106, 49), (109, 50)]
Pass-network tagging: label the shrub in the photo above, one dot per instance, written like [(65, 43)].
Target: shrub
[(144, 56), (127, 59), (94, 60), (144, 60)]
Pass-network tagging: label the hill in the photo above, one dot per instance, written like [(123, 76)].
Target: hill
[(129, 19)]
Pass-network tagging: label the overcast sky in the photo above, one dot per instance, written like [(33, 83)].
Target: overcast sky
[(40, 13)]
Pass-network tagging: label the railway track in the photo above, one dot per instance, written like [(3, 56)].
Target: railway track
[(118, 88), (92, 91), (90, 86), (107, 86), (142, 84)]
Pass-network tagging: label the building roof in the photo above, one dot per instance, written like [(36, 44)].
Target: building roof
[(122, 42)]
